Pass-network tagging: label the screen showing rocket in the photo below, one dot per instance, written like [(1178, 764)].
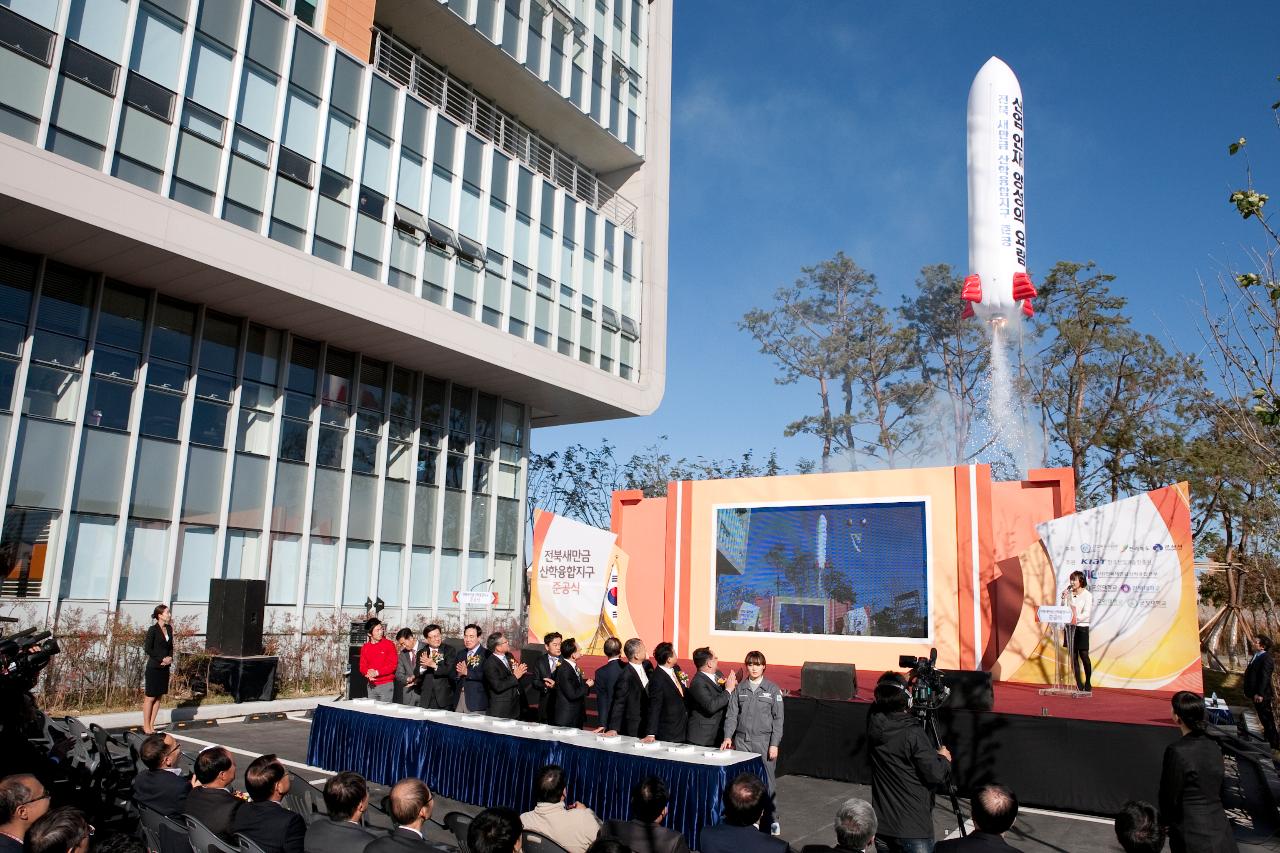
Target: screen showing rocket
[(843, 569)]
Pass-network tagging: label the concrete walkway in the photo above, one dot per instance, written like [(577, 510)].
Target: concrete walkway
[(198, 711)]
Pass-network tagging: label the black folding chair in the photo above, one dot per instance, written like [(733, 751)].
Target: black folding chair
[(458, 823), (204, 840), (247, 844), (174, 836), (304, 799), (149, 822), (534, 842)]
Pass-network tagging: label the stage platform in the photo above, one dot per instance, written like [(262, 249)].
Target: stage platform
[(1086, 755)]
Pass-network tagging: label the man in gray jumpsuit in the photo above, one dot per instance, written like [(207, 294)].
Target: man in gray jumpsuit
[(753, 723)]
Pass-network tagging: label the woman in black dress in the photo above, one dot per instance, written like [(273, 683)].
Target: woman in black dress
[(159, 648), (1191, 784)]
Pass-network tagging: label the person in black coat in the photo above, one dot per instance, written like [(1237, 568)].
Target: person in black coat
[(265, 821), (437, 673), (411, 807), (708, 696), (644, 833), (905, 768), (668, 716), (159, 648), (502, 674), (468, 669), (744, 802), (346, 797), (605, 679), (1257, 686), (629, 707), (1191, 784), (542, 676), (995, 808), (213, 803), (569, 708), (161, 787)]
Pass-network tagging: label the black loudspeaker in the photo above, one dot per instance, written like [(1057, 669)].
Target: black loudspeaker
[(357, 684), (970, 690), (531, 654), (235, 617), (829, 680)]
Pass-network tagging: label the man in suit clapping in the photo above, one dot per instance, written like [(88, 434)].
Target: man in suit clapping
[(708, 694)]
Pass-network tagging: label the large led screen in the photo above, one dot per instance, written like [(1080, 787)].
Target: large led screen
[(835, 569)]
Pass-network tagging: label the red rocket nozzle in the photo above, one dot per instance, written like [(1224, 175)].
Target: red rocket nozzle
[(1028, 309), (1022, 286), (967, 312), (972, 290)]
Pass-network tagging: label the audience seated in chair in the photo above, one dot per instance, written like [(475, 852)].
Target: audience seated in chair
[(1138, 828), (411, 806), (644, 833), (995, 807), (23, 801), (161, 787), (346, 798), (572, 826), (212, 802), (264, 821), (744, 802), (855, 829), (61, 830), (494, 831)]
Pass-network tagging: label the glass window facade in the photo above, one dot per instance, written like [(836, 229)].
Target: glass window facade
[(161, 444)]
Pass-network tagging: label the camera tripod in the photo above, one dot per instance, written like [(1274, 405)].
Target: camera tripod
[(927, 720)]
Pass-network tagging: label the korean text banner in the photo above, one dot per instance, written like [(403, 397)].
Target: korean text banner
[(571, 575)]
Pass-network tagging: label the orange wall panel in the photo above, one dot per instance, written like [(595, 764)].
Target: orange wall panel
[(348, 24)]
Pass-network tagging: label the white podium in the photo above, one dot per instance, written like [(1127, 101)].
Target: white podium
[(1056, 622)]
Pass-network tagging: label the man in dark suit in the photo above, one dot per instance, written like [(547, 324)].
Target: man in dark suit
[(855, 829), (1257, 686), (744, 802), (437, 675), (994, 809), (161, 787), (264, 821), (469, 671), (629, 708), (708, 694), (644, 833), (606, 677), (668, 715), (346, 797), (212, 803), (502, 674), (411, 806), (570, 705), (542, 680), (23, 801), (494, 831), (406, 681)]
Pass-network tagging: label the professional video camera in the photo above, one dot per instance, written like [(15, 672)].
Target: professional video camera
[(926, 685), (22, 656)]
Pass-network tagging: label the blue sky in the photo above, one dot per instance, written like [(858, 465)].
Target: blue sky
[(804, 128)]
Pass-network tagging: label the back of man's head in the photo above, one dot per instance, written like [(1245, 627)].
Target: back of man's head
[(649, 800), (994, 809), (153, 750), (631, 647), (15, 791), (612, 647), (549, 785), (211, 763), (664, 653), (495, 640), (60, 830), (494, 831), (744, 800), (891, 697), (408, 798), (343, 794), (1138, 828), (1265, 642), (855, 824), (261, 777)]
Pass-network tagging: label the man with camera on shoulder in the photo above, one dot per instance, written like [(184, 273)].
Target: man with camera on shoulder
[(905, 770)]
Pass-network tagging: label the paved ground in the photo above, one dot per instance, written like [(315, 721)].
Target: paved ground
[(806, 805)]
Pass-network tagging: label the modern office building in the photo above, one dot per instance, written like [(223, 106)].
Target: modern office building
[(284, 288)]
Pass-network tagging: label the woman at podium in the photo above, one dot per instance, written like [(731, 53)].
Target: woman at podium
[(1080, 600)]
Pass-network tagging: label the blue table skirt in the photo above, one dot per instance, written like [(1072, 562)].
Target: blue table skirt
[(489, 768)]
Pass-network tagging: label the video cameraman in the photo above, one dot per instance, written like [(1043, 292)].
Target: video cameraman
[(905, 769)]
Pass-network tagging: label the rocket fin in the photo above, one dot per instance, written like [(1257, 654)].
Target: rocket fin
[(1022, 286), (968, 311), (1028, 309), (972, 290)]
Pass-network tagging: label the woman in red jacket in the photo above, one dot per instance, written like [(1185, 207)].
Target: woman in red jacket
[(378, 661)]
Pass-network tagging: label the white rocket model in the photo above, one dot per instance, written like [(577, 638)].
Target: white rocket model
[(998, 283)]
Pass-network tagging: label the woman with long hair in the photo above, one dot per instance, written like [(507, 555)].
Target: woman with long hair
[(1191, 784), (159, 649)]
